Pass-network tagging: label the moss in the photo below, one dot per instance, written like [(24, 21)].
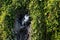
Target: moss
[(45, 16)]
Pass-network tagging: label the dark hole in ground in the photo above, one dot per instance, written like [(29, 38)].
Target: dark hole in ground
[(22, 24)]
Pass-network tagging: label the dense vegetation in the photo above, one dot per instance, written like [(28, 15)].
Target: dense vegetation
[(45, 16)]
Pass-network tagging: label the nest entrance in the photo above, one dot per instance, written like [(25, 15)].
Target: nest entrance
[(21, 34)]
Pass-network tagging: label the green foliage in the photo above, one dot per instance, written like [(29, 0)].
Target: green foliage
[(45, 16), (45, 19)]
